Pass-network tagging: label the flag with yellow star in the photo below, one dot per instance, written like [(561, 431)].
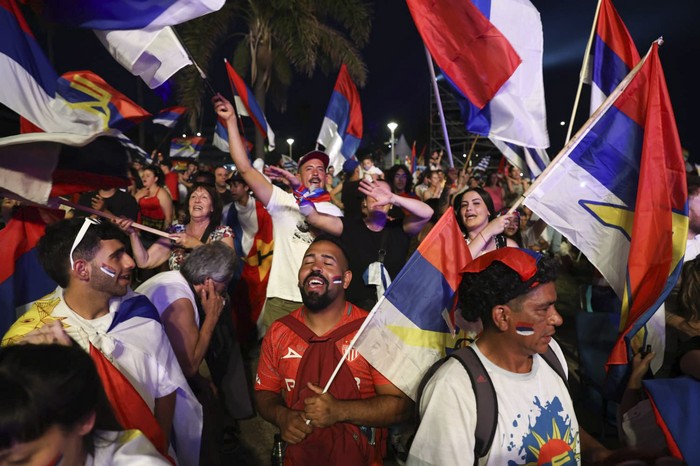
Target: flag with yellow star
[(618, 193)]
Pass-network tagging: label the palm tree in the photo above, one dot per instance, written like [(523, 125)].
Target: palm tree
[(281, 36)]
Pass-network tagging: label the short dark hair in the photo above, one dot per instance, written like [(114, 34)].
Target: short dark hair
[(335, 240), (215, 217), (54, 247), (157, 172), (498, 284), (46, 385), (485, 196)]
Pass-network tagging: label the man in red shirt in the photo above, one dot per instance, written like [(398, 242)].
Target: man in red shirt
[(295, 366)]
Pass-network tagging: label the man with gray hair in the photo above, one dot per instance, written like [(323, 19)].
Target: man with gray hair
[(190, 302)]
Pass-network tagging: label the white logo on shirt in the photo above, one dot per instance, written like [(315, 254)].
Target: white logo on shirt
[(291, 354), (290, 383)]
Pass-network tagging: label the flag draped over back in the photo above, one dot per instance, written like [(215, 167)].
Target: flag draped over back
[(462, 40), (169, 117), (186, 147), (409, 328), (243, 95), (516, 112), (341, 131), (619, 194), (22, 278), (614, 54)]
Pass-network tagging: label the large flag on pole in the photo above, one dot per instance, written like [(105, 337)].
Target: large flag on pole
[(516, 113), (614, 54), (462, 41), (341, 131), (410, 328), (246, 105), (618, 192)]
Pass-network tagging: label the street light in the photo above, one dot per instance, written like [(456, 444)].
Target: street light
[(290, 141), (392, 127)]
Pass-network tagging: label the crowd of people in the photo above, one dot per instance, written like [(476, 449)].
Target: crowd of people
[(138, 356)]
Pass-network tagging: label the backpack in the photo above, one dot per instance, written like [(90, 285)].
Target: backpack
[(484, 393)]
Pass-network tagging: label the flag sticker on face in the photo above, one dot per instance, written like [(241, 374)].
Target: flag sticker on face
[(524, 328)]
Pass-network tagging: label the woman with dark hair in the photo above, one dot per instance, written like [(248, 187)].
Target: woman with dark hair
[(477, 219), (201, 226), (400, 180), (53, 409), (155, 204)]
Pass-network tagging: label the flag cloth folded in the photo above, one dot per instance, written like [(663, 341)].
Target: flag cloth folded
[(516, 114), (124, 14), (168, 117), (614, 54), (22, 279), (462, 40), (243, 95), (676, 402), (36, 166), (530, 161), (619, 194), (153, 55), (409, 329), (341, 131), (188, 148)]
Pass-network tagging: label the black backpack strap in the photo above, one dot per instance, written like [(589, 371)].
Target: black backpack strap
[(551, 358), (484, 396)]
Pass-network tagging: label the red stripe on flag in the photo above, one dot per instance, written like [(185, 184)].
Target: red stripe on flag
[(614, 33)]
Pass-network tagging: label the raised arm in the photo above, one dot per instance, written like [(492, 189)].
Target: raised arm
[(328, 223), (253, 178), (149, 258), (418, 212)]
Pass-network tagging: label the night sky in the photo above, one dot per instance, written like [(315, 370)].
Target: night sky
[(398, 86)]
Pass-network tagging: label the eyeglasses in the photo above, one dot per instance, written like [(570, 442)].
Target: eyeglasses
[(81, 234)]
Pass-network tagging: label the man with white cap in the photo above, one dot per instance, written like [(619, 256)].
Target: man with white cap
[(291, 234)]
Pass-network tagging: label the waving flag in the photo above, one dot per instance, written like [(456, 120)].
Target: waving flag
[(246, 105), (125, 14), (153, 55), (188, 148), (673, 400), (614, 54), (168, 117), (462, 40), (531, 162), (22, 278), (516, 113), (619, 194), (341, 131), (409, 329)]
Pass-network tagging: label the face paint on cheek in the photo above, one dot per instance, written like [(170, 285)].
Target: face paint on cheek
[(524, 328), (107, 270), (338, 280)]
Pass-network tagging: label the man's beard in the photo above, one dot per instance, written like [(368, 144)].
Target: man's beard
[(313, 301)]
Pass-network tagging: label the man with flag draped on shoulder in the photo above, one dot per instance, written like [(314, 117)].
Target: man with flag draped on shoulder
[(291, 233), (94, 308), (512, 291), (299, 353)]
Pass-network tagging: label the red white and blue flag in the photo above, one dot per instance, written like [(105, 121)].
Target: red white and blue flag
[(187, 148), (619, 194), (341, 131), (411, 326), (614, 54), (169, 117), (22, 278), (246, 105), (530, 161)]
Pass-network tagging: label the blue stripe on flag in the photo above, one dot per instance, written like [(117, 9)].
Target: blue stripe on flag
[(338, 111), (608, 68)]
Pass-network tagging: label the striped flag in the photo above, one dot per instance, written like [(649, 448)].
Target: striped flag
[(169, 117)]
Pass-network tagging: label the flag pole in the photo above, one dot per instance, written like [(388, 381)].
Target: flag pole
[(201, 72), (433, 79), (584, 71), (607, 103), (471, 151), (99, 213)]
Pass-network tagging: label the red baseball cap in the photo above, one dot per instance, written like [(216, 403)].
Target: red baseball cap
[(315, 155)]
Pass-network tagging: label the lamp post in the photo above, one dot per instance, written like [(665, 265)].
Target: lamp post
[(392, 127), (290, 141)]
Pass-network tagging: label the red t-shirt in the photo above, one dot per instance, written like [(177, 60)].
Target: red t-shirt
[(282, 350)]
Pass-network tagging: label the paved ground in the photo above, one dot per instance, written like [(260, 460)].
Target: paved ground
[(256, 435)]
